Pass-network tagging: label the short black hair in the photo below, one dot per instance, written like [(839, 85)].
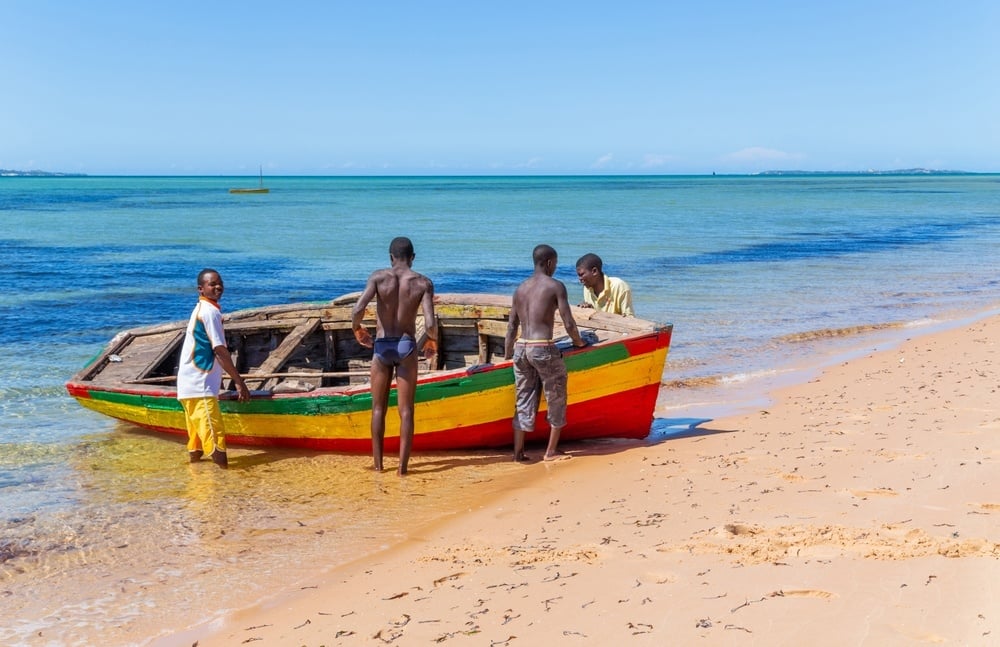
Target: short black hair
[(588, 261), (205, 272), (401, 247), (543, 253)]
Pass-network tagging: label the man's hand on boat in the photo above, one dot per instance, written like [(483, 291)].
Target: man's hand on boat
[(430, 348), (363, 336), (242, 392)]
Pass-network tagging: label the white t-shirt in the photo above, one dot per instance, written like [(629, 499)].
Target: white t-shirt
[(199, 374)]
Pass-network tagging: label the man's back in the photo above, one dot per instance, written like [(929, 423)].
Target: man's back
[(536, 301), (400, 292)]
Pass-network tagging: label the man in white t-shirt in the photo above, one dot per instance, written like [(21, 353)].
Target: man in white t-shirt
[(204, 356)]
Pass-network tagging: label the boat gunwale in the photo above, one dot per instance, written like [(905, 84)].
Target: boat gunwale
[(583, 316), (347, 390)]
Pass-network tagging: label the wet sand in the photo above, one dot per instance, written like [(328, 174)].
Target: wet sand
[(861, 508)]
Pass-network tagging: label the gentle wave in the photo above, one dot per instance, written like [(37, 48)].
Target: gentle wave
[(833, 333), (692, 382), (705, 381)]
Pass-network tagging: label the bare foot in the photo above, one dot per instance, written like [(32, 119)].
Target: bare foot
[(558, 456), (521, 458), (221, 459)]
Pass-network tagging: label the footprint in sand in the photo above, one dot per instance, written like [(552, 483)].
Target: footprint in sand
[(740, 529), (658, 578), (447, 578), (988, 506), (882, 491), (803, 593)]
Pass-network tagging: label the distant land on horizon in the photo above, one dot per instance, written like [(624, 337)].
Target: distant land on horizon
[(907, 171), (902, 171), (12, 173)]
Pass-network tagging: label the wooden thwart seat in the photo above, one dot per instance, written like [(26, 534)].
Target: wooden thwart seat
[(489, 328), (282, 353)]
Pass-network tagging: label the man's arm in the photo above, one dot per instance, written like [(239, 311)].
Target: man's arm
[(211, 319), (512, 326), (626, 306), (226, 360), (430, 321), (358, 313), (569, 323)]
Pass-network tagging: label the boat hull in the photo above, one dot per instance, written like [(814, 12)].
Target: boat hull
[(612, 391)]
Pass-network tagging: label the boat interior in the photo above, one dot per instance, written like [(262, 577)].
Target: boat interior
[(302, 347)]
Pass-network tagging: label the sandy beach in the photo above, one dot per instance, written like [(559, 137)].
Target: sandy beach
[(860, 509)]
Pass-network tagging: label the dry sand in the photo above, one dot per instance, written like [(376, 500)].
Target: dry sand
[(861, 509)]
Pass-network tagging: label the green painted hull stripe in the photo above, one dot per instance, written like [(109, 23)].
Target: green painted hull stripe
[(306, 405)]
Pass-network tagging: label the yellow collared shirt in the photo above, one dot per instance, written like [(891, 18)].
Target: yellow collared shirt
[(616, 297)]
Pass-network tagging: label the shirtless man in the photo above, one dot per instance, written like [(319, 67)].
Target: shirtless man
[(538, 363), (400, 294)]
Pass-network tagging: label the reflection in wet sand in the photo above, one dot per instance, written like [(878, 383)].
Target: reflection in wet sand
[(152, 537)]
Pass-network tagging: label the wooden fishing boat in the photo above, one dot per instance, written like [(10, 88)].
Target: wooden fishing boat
[(309, 378)]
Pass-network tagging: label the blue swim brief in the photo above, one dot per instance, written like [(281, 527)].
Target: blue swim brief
[(391, 351)]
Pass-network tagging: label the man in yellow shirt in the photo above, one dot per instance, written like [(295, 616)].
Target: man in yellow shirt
[(600, 291)]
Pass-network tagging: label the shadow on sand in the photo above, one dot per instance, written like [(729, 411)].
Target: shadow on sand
[(661, 430), (673, 428)]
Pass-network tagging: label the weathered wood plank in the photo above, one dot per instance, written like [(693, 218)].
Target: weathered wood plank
[(280, 355), (166, 379), (171, 347), (488, 328), (134, 357), (265, 324), (492, 327)]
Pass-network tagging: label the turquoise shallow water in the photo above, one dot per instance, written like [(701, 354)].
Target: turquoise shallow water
[(756, 273)]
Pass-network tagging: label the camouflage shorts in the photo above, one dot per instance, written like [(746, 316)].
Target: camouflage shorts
[(538, 368)]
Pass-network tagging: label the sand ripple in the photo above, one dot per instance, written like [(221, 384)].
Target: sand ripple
[(750, 544)]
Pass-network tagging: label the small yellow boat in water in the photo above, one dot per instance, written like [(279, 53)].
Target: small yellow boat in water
[(258, 189)]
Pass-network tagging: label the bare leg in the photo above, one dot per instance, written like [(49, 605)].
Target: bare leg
[(406, 386), (380, 378), (552, 452), (519, 445)]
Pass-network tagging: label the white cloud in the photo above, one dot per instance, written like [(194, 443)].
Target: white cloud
[(655, 160), (602, 161)]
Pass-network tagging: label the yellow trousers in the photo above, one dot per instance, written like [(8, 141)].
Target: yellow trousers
[(204, 425)]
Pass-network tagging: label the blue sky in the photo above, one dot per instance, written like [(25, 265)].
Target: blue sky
[(465, 87)]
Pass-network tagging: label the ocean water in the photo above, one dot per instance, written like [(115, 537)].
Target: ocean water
[(106, 532)]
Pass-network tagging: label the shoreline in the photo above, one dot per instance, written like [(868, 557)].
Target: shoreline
[(857, 495), (729, 396)]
